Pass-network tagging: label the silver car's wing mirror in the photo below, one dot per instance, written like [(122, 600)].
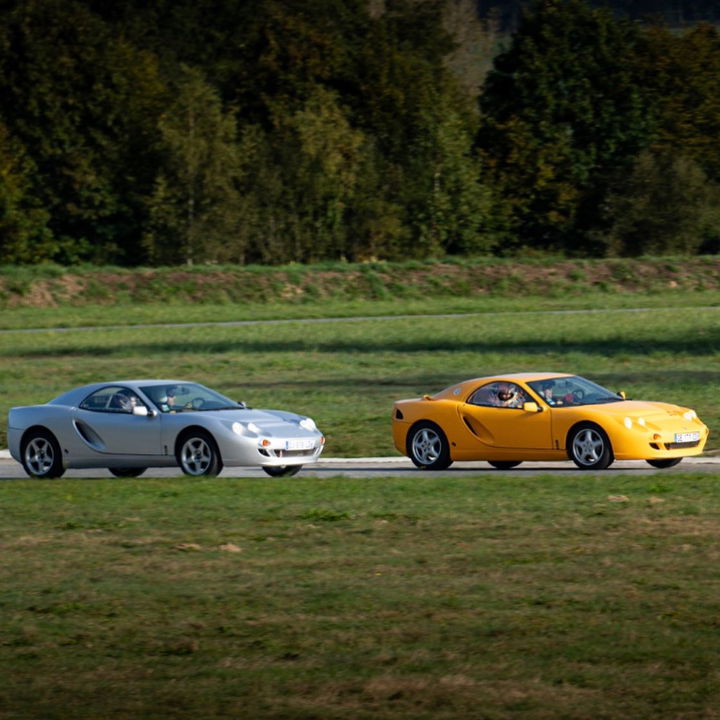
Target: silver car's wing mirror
[(141, 410)]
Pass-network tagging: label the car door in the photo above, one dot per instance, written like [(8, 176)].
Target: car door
[(506, 427), (109, 429)]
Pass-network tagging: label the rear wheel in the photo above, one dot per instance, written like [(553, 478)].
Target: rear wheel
[(428, 447), (670, 462), (41, 455), (197, 454), (282, 470), (504, 464), (589, 447), (127, 472)]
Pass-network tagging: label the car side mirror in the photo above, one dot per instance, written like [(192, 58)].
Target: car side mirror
[(622, 395), (531, 407), (140, 410)]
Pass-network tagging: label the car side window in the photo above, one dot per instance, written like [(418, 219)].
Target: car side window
[(499, 394), (483, 395), (113, 399)]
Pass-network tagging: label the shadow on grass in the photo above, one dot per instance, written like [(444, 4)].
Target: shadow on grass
[(604, 347)]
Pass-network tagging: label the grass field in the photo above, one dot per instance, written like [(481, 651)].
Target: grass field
[(488, 598), (493, 598), (347, 374)]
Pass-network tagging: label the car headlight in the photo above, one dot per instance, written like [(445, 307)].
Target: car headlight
[(245, 428), (690, 415), (628, 422), (308, 424)]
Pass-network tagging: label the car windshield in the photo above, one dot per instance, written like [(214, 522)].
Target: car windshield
[(574, 390), (188, 397)]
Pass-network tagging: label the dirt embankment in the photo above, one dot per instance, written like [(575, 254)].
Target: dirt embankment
[(55, 286)]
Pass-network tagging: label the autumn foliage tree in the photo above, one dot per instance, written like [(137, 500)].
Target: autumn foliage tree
[(198, 131)]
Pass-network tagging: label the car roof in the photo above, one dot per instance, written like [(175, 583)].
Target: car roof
[(523, 376)]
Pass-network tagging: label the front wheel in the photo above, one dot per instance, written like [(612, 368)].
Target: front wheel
[(197, 454), (504, 464), (428, 447), (282, 470), (127, 472), (670, 462), (41, 455), (589, 447)]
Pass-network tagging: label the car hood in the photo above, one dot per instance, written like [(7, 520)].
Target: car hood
[(640, 408), (266, 420)]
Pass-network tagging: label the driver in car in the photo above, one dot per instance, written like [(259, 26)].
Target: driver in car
[(167, 400), (546, 390), (509, 395)]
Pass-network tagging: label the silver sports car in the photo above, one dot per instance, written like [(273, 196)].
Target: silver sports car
[(128, 426)]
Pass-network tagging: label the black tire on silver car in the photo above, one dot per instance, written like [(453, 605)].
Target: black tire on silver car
[(41, 455), (504, 464), (282, 470), (428, 447), (197, 454), (126, 472), (665, 462), (589, 447)]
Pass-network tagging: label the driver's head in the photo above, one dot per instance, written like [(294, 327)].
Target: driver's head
[(506, 392)]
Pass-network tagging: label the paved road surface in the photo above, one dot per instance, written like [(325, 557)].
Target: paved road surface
[(399, 467)]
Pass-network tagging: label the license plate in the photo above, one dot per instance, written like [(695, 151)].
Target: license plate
[(299, 444), (687, 437)]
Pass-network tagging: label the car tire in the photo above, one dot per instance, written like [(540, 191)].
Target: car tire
[(197, 454), (282, 470), (41, 455), (504, 464), (589, 447), (428, 447), (127, 472), (664, 463)]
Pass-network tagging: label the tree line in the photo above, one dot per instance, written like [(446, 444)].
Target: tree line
[(675, 13), (275, 131)]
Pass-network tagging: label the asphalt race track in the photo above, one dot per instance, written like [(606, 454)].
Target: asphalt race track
[(397, 467)]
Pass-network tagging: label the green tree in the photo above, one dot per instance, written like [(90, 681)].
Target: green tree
[(683, 71), (665, 205), (194, 210), (422, 125), (24, 236), (81, 101), (563, 109), (324, 175), (449, 205)]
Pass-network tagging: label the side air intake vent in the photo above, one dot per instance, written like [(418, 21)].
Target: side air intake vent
[(470, 427), (89, 436)]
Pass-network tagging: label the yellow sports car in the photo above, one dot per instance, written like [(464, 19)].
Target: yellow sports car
[(506, 419)]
